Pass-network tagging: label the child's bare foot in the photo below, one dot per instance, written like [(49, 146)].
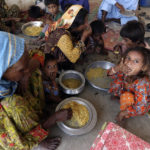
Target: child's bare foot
[(121, 123), (50, 143)]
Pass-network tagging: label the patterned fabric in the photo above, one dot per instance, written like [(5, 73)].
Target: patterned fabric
[(58, 16), (113, 137), (84, 3), (38, 55), (62, 39), (49, 89), (5, 12), (54, 38), (66, 20), (3, 9), (126, 100), (140, 88), (36, 86), (12, 48), (70, 50), (19, 116), (19, 123), (13, 11)]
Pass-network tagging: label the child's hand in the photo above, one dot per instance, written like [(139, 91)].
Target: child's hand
[(122, 67), (117, 49), (48, 21), (121, 116)]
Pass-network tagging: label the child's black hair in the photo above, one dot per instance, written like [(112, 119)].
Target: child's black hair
[(98, 27), (49, 57), (133, 30), (35, 12), (48, 2), (146, 61)]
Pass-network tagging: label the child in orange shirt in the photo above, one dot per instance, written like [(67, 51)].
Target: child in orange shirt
[(131, 82)]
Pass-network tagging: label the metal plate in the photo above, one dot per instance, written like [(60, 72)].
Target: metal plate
[(102, 64), (90, 124), (32, 23), (128, 13)]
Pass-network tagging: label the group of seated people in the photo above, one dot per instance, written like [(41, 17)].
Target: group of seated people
[(28, 77)]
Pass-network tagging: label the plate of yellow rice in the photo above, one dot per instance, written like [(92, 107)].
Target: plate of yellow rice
[(96, 75)]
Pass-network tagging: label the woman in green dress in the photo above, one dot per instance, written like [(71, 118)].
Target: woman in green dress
[(20, 123)]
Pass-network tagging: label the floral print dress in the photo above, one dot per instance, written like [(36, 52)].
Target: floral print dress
[(140, 88)]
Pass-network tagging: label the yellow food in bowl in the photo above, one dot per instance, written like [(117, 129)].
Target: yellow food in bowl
[(96, 73), (98, 76), (33, 31), (71, 83), (80, 115)]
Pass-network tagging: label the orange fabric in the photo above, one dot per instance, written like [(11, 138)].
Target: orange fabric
[(39, 58), (126, 100), (65, 21)]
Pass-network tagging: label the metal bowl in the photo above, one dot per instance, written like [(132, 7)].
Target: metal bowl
[(32, 23), (128, 13), (102, 64), (71, 74), (90, 124)]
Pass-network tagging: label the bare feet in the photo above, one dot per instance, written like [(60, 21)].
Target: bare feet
[(50, 143)]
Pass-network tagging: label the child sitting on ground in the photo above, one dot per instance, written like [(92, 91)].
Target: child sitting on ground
[(35, 12), (133, 35), (49, 72), (131, 83), (55, 14), (95, 42)]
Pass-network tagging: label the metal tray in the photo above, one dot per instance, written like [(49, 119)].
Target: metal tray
[(32, 23), (90, 124), (128, 13), (103, 64)]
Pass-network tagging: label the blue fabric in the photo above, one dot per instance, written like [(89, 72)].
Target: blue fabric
[(55, 92), (12, 48), (114, 12), (84, 3)]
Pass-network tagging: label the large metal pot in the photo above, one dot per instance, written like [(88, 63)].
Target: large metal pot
[(71, 74)]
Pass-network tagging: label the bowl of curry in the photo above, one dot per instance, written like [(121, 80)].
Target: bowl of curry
[(72, 82)]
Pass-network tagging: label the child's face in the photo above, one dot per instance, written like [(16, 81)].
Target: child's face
[(134, 61), (50, 69), (97, 37), (53, 9), (127, 42)]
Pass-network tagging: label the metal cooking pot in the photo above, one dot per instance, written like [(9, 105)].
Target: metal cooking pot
[(71, 74)]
